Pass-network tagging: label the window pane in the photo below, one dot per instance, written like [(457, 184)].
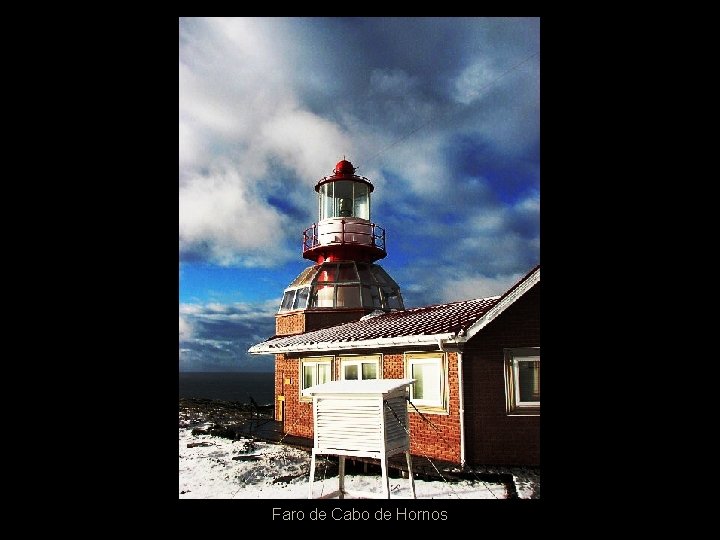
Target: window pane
[(380, 275), (287, 301), (361, 208), (376, 300), (427, 386), (529, 375), (348, 297), (369, 370), (366, 296), (327, 273), (394, 302), (328, 202), (351, 372), (301, 298), (365, 274), (304, 277), (308, 371), (347, 272), (324, 296), (343, 198), (323, 373)]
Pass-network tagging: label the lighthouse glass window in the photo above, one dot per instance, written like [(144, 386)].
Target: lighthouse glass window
[(344, 198), (361, 201)]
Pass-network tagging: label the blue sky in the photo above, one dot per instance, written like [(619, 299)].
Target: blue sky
[(441, 114)]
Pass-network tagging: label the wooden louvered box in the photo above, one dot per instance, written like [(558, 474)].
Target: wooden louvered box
[(361, 419)]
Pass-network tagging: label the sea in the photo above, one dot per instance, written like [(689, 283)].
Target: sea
[(235, 386)]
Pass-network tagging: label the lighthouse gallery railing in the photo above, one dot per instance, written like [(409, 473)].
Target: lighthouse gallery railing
[(375, 236)]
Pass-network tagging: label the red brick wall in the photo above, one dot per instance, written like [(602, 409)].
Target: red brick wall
[(425, 440), (298, 415), (298, 322), (290, 323), (279, 363), (493, 437)]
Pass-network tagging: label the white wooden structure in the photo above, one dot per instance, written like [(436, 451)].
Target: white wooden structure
[(366, 418)]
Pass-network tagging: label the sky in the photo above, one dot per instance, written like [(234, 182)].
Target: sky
[(442, 115)]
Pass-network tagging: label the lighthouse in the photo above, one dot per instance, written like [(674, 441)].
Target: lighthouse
[(344, 283)]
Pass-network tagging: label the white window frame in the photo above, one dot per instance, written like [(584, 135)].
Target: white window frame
[(424, 405), (359, 361), (513, 357), (316, 361)]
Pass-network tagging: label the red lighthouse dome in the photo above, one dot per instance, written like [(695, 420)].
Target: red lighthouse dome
[(344, 167)]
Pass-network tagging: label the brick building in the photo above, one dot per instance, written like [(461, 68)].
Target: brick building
[(476, 363)]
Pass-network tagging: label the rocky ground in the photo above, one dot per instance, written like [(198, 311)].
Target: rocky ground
[(220, 418)]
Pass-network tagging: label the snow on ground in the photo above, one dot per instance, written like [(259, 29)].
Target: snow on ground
[(266, 470)]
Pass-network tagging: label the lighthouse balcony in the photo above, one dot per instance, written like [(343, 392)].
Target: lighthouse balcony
[(348, 232)]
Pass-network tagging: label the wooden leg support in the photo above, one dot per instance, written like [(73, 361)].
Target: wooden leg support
[(312, 474), (341, 477), (385, 478), (410, 473)]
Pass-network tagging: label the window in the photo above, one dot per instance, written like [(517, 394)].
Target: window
[(295, 299), (430, 388), (315, 370), (348, 296), (344, 198), (355, 368), (522, 380)]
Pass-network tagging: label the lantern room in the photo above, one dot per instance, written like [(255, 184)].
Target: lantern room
[(344, 194), (343, 230)]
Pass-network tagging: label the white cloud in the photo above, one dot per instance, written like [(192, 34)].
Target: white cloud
[(467, 287), (474, 81), (305, 142), (190, 309), (186, 330), (221, 214)]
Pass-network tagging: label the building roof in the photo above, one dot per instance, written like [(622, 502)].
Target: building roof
[(455, 322)]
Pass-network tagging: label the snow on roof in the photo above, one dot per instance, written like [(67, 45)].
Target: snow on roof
[(454, 321), (370, 386)]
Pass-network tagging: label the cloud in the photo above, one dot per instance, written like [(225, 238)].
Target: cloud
[(221, 218), (303, 140), (465, 287), (185, 329), (474, 81), (424, 107), (222, 333)]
